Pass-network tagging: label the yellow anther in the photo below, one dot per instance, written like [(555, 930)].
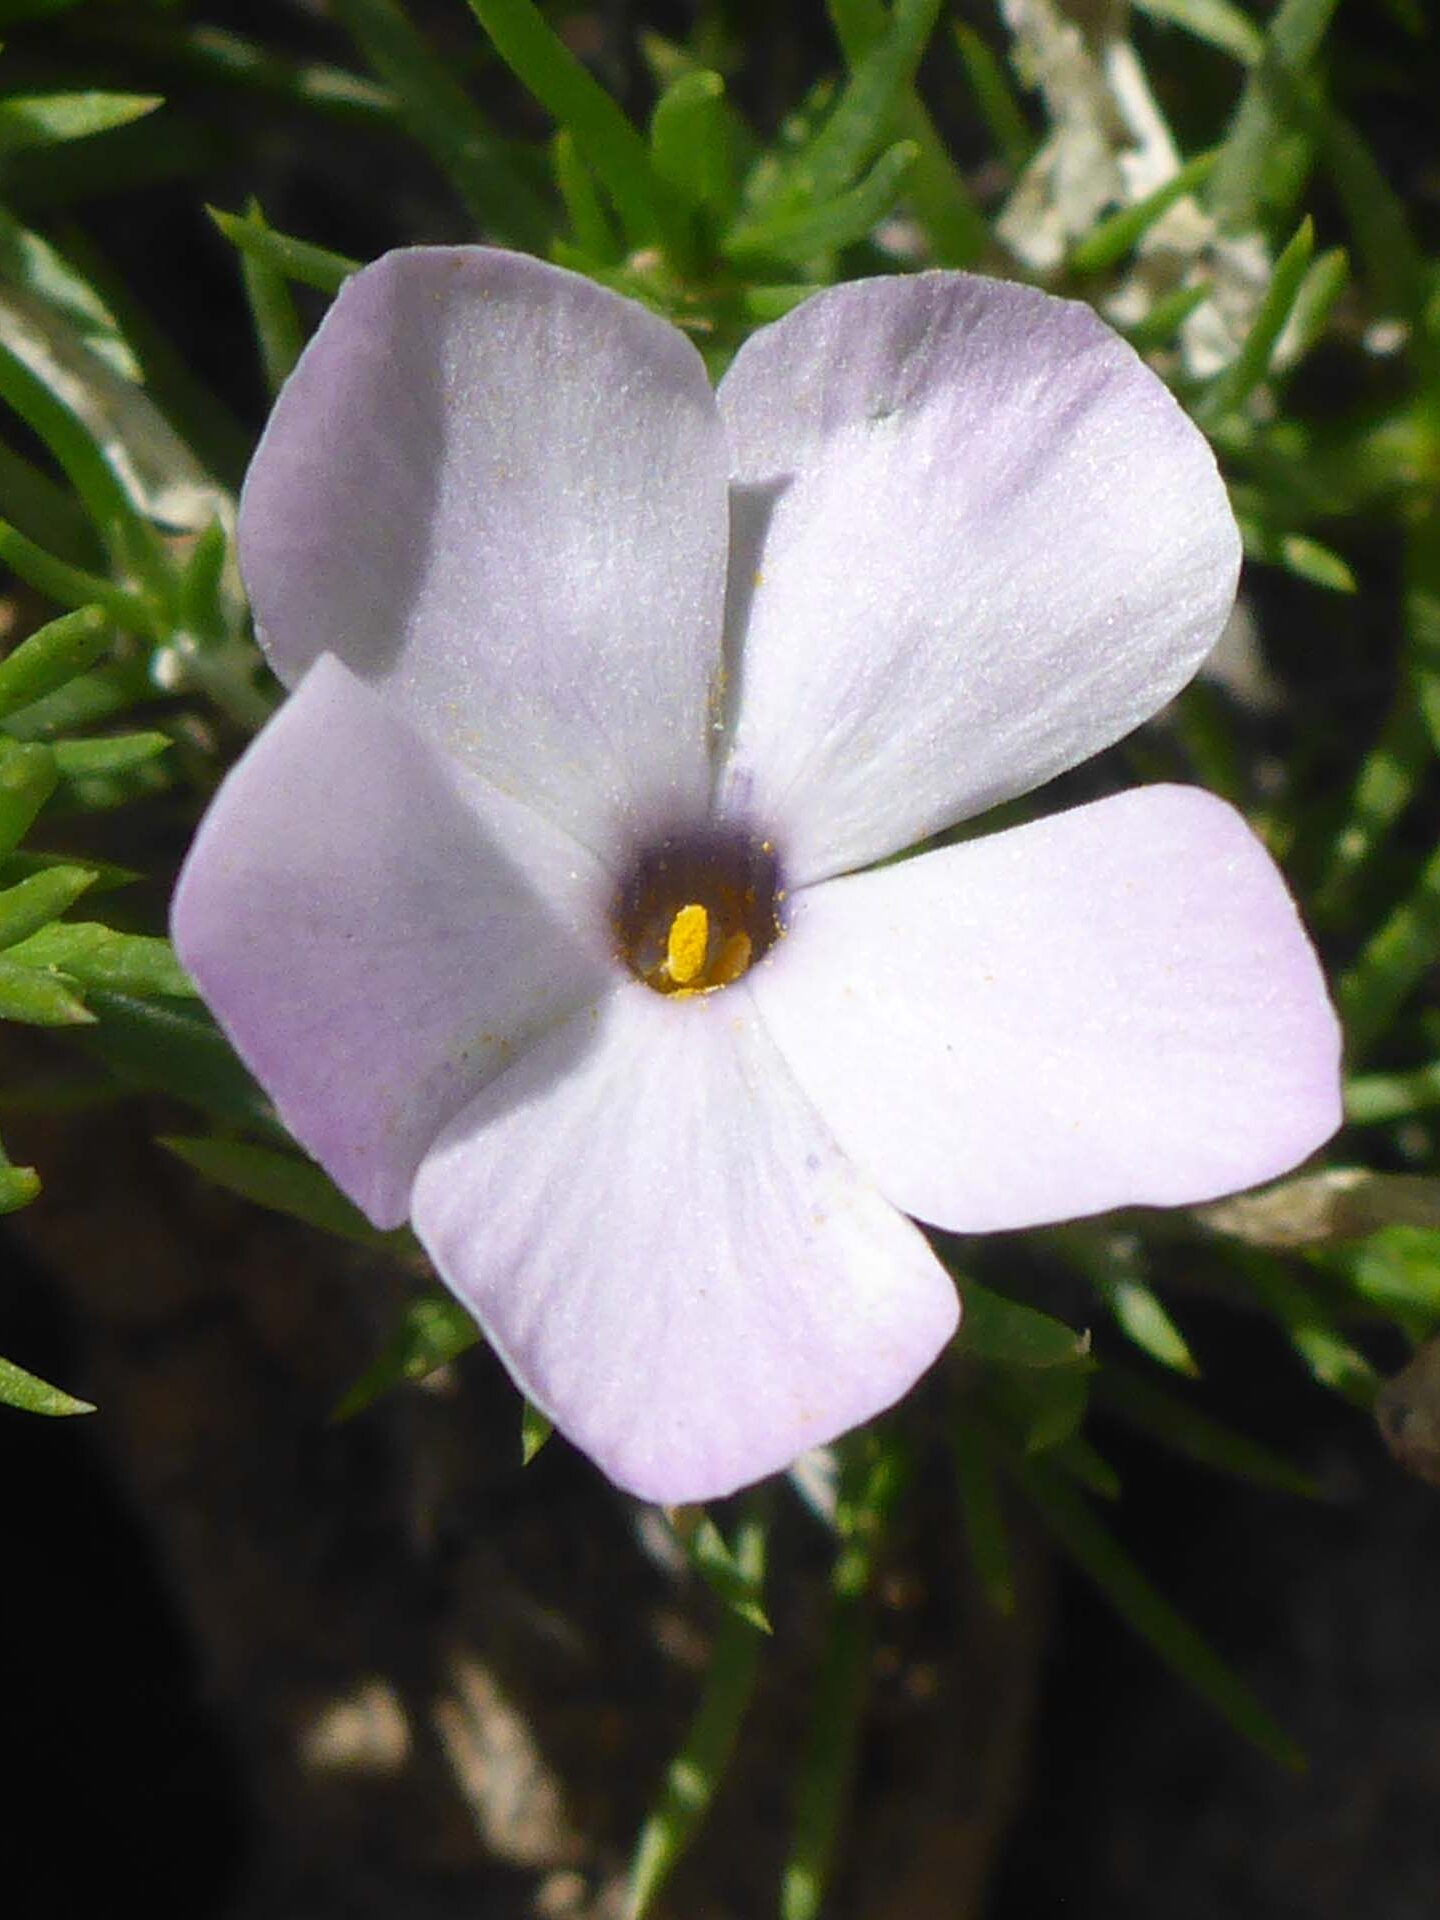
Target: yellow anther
[(687, 945), (732, 961)]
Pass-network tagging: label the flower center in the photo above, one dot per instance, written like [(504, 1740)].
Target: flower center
[(698, 910)]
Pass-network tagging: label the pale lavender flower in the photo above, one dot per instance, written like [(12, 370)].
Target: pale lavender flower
[(547, 909)]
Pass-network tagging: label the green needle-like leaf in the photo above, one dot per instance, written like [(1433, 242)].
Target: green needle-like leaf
[(33, 1395), (1266, 154), (535, 1429), (53, 655), (433, 1331), (1397, 957), (1176, 1424), (132, 542), (1375, 1098), (1218, 22), (443, 119), (298, 260), (1094, 1549), (277, 328), (1112, 239), (999, 106), (35, 902), (798, 237), (38, 999), (690, 139), (170, 1046), (116, 753), (695, 1772), (92, 955), (282, 1182), (542, 62), (875, 1473), (987, 1538), (589, 222), (18, 1185), (1329, 1356), (1003, 1330), (72, 586), (1232, 388), (44, 119), (1142, 1315), (27, 779), (722, 1567)]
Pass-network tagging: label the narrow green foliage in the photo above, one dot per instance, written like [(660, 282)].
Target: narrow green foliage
[(297, 260), (131, 541), (1142, 1404), (442, 118), (1108, 242), (861, 120), (874, 1476), (53, 655), (213, 54), (543, 64), (1040, 1408), (1266, 155), (798, 238), (1397, 957), (1089, 1543), (18, 1185), (116, 753), (721, 1566), (1385, 241), (90, 955), (1082, 1463), (1231, 389), (1387, 783), (1326, 278), (282, 1182), (692, 145), (33, 1395), (200, 599), (272, 313), (35, 902), (27, 779), (535, 1430), (877, 46), (45, 119), (71, 586), (1218, 22), (589, 222), (1397, 1270), (38, 999), (987, 1538), (89, 698), (697, 1769), (1422, 611), (1328, 1355), (1375, 1098), (433, 1331), (1204, 723), (168, 1046), (1165, 318), (999, 1329), (1143, 1318), (997, 100)]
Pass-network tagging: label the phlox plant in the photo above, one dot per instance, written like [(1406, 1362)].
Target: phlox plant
[(724, 815)]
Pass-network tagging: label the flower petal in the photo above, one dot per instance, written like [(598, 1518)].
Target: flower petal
[(976, 541), (670, 1254), (1116, 1005), (500, 490), (378, 932)]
